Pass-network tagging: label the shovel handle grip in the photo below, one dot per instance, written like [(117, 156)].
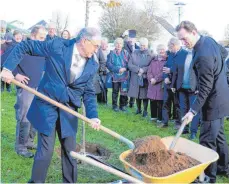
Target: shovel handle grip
[(78, 115)]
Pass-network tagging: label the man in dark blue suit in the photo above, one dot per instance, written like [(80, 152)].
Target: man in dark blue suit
[(184, 81), (169, 98), (68, 78), (208, 63), (130, 45), (29, 72)]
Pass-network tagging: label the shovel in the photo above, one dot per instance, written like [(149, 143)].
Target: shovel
[(174, 142), (129, 143)]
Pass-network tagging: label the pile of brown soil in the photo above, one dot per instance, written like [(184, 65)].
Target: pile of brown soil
[(152, 158)]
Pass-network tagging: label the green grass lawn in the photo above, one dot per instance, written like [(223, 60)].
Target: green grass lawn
[(15, 169)]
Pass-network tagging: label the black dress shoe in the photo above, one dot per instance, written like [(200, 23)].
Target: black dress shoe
[(31, 181), (138, 111), (115, 109), (192, 136), (185, 132), (223, 173), (25, 154), (145, 113), (162, 125), (123, 109)]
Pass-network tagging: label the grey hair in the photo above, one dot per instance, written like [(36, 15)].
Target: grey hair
[(16, 32), (118, 39), (144, 41), (105, 39), (51, 25), (174, 41), (161, 46), (36, 28), (89, 33)]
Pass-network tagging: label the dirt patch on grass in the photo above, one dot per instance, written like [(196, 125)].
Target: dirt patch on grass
[(93, 149)]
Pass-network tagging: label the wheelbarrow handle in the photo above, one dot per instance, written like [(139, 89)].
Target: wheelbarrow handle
[(129, 143), (104, 167), (180, 131)]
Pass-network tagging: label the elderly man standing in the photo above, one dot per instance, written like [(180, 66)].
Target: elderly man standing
[(29, 72), (138, 66), (68, 78), (51, 27), (208, 63), (177, 54), (130, 46)]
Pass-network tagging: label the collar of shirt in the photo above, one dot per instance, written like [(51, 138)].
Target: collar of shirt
[(76, 56)]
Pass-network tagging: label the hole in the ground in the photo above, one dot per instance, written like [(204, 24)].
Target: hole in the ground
[(94, 149)]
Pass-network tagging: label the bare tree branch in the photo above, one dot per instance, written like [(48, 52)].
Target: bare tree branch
[(115, 21)]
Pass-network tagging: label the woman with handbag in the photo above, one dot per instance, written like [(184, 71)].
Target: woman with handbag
[(117, 62), (155, 79), (138, 66)]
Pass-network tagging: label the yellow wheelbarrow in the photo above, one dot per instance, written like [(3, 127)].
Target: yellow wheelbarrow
[(204, 155)]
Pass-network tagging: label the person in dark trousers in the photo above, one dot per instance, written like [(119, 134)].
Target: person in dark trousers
[(176, 53), (138, 66), (103, 71), (130, 46), (28, 72), (184, 81), (100, 78), (7, 45), (68, 79), (155, 79), (208, 63), (227, 74), (117, 64)]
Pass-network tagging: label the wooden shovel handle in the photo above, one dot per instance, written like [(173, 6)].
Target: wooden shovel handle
[(78, 115), (180, 131)]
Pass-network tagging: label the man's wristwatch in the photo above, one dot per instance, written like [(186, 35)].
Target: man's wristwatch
[(193, 112)]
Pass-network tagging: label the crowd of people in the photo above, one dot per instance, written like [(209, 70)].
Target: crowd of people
[(168, 80)]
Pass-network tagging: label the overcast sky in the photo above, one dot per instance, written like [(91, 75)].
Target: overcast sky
[(211, 15)]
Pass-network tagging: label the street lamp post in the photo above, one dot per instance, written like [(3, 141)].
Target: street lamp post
[(179, 5)]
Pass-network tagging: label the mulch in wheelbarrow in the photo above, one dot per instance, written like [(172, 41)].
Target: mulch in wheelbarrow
[(152, 158)]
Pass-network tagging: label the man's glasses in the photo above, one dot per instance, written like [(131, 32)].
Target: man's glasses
[(94, 44)]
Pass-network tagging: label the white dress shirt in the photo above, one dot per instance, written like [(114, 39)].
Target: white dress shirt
[(77, 66)]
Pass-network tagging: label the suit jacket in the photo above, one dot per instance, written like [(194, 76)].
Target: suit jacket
[(172, 59), (48, 37), (56, 85), (208, 60), (178, 74), (128, 47), (30, 66), (227, 70)]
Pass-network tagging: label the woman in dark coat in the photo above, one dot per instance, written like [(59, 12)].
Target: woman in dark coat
[(138, 66), (117, 63), (155, 79)]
